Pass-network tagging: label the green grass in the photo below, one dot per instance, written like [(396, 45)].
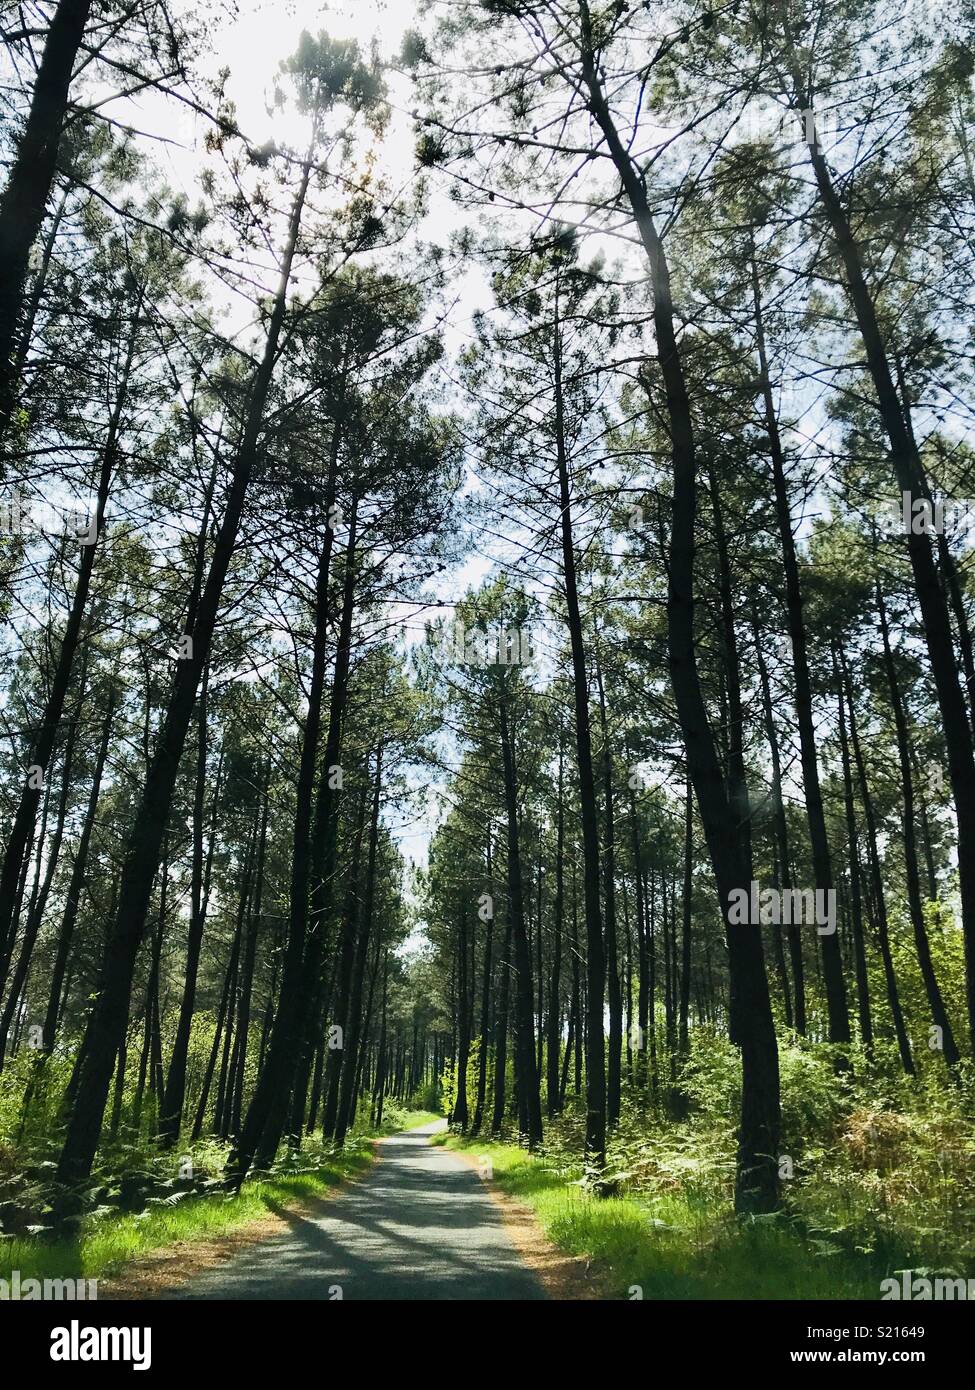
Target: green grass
[(675, 1246), (114, 1240)]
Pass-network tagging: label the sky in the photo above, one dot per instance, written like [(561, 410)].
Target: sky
[(267, 31)]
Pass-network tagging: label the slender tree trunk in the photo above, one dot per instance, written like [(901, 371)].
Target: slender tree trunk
[(595, 955), (347, 952), (879, 900), (76, 886), (484, 1058), (539, 970), (354, 1030), (752, 1026), (856, 893), (683, 1041), (31, 176), (614, 991), (175, 1089), (784, 876), (553, 1086), (119, 1095), (643, 955), (247, 971), (382, 1062), (836, 1003), (524, 1018), (939, 1014), (909, 474), (459, 1114), (107, 1020), (501, 1031), (152, 990), (230, 976)]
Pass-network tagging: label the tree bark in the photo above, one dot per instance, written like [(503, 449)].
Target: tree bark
[(76, 886), (614, 990)]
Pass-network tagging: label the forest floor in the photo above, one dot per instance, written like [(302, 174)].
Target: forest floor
[(418, 1224)]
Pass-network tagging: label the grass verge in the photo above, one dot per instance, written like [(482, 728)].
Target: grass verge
[(673, 1246)]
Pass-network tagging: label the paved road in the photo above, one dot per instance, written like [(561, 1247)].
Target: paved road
[(419, 1225)]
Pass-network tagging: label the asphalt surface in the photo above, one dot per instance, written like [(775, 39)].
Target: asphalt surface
[(418, 1225)]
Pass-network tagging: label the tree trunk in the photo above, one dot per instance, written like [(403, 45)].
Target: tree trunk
[(836, 1003), (614, 991), (553, 1087), (483, 1059), (936, 623), (350, 1061), (76, 886), (31, 176), (856, 893), (784, 874), (524, 1015), (595, 957), (880, 902), (108, 1017), (247, 971), (501, 1032), (939, 1014), (752, 1026)]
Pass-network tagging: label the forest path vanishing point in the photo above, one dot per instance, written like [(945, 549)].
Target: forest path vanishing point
[(420, 1224)]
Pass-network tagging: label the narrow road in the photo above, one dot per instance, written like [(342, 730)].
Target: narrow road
[(418, 1225)]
